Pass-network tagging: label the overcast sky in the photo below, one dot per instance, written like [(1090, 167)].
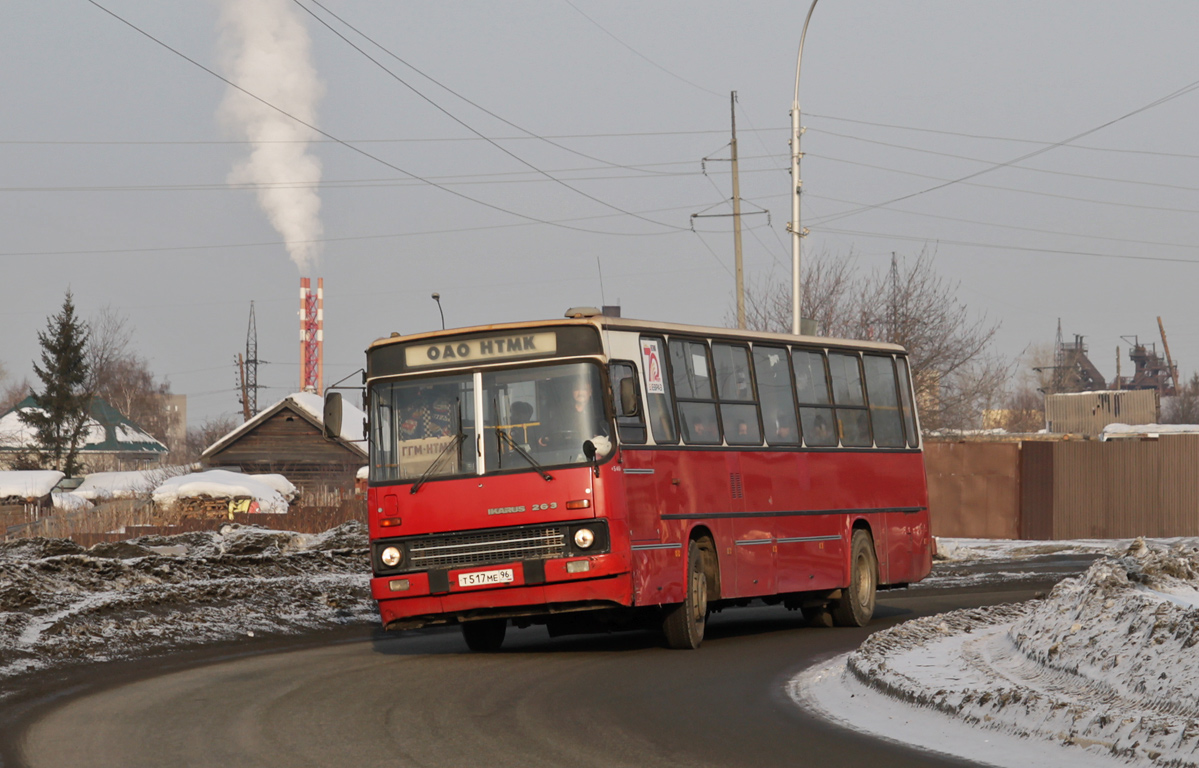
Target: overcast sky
[(118, 158)]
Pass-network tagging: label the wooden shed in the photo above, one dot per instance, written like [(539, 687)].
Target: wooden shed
[(288, 439)]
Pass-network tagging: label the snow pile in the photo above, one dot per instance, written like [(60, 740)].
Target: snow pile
[(1112, 431), (70, 501), (61, 604), (1105, 663), (272, 492), (102, 486), (28, 484), (973, 550)]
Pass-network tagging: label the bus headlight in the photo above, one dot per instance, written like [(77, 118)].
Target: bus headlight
[(584, 538), (391, 557)]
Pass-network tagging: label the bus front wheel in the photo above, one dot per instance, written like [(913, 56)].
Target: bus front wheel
[(684, 623), (855, 607), (484, 635)]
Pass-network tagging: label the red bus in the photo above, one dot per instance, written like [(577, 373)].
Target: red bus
[(597, 473)]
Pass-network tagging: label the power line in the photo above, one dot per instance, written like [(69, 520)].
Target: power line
[(1075, 198), (342, 142), (528, 134), (1023, 248), (458, 120), (638, 54), (1028, 155), (349, 238), (989, 137), (1047, 171)]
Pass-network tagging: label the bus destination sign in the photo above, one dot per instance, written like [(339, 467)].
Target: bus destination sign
[(484, 349)]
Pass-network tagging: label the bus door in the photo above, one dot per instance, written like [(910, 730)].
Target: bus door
[(752, 537)]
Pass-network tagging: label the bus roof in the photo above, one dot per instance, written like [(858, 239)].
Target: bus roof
[(604, 322)]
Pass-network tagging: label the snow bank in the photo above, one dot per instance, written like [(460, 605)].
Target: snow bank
[(61, 604), (28, 484), (1106, 663), (272, 492)]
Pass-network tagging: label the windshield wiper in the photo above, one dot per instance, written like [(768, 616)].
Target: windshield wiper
[(453, 444), (517, 447), (457, 441)]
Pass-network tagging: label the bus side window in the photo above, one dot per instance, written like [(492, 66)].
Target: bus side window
[(777, 395), (734, 387), (629, 426), (692, 379), (657, 390), (815, 404), (884, 402), (905, 402), (850, 399)]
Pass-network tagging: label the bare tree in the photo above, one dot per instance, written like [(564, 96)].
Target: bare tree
[(956, 373), (14, 393), (123, 378), (1183, 408), (213, 429)]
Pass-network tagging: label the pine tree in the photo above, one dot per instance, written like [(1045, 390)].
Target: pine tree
[(65, 400)]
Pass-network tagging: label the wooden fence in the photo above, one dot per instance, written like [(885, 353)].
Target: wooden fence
[(1065, 489), (121, 520)]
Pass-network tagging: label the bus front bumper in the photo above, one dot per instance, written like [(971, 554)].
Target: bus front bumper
[(524, 588)]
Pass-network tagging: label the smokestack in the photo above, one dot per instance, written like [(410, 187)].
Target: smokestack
[(312, 335)]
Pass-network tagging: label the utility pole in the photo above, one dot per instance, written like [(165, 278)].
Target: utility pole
[(795, 226), (737, 217), (241, 375), (250, 392)]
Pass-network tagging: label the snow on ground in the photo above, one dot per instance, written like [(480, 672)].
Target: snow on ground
[(61, 604), (1101, 671), (272, 492)]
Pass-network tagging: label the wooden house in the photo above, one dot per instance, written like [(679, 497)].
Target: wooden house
[(288, 439)]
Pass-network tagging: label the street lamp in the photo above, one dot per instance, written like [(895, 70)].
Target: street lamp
[(437, 298), (796, 227)]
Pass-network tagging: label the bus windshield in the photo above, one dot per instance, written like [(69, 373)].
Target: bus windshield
[(533, 417)]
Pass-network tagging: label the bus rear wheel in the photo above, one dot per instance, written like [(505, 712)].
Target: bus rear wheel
[(855, 608), (684, 623), (484, 635)]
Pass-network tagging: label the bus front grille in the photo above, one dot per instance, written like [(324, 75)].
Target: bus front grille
[(486, 547)]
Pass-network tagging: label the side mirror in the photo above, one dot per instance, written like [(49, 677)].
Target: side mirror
[(628, 398), (590, 451), (332, 415)]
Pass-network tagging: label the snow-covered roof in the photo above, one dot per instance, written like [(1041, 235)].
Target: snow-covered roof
[(311, 407), (99, 486), (28, 484), (1147, 430), (106, 431), (272, 492)]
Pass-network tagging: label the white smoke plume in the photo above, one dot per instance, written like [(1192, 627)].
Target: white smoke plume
[(266, 50)]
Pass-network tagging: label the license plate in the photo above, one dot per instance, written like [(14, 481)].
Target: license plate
[(483, 578)]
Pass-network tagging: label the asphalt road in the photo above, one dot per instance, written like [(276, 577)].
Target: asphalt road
[(364, 698)]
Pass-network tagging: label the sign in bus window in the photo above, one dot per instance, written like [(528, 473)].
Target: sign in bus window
[(423, 428), (661, 409)]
